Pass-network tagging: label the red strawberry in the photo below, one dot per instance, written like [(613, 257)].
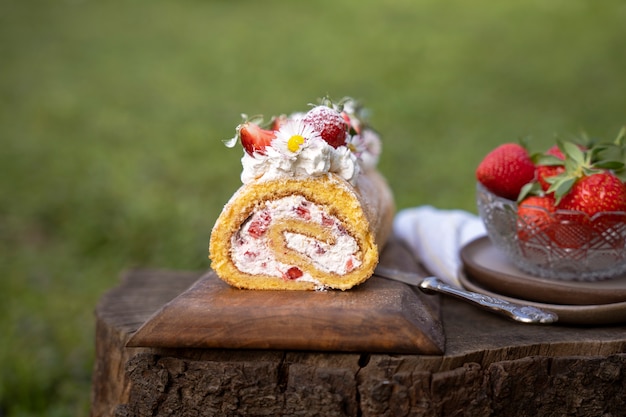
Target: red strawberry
[(555, 151), (583, 190), (571, 229), (543, 172), (538, 219), (259, 226), (349, 265), (279, 121), (254, 138), (505, 170), (292, 273), (354, 124), (329, 123), (303, 211), (327, 221), (534, 216), (594, 193)]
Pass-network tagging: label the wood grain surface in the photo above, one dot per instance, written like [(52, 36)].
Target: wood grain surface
[(377, 316), (491, 367)]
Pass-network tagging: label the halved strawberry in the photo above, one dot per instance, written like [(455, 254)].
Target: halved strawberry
[(354, 124), (254, 138), (505, 170), (329, 123), (279, 121)]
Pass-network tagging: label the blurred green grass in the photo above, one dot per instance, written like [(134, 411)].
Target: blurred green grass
[(112, 115)]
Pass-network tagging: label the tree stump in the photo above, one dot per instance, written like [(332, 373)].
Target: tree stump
[(491, 367)]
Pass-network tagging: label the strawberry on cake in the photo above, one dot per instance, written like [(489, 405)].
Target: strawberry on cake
[(313, 211)]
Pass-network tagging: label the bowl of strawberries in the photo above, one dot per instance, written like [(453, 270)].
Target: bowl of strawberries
[(558, 214)]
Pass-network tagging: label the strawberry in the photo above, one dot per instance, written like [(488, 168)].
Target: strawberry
[(535, 216), (346, 118), (292, 273), (254, 138), (539, 220), (598, 192), (279, 121), (543, 172), (349, 265), (259, 226), (551, 164), (303, 212), (329, 123), (585, 188), (587, 183), (571, 229), (555, 151), (591, 194), (505, 170)]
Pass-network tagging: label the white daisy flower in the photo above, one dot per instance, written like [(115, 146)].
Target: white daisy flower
[(294, 136)]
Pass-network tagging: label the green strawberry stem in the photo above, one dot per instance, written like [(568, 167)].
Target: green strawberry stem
[(580, 162)]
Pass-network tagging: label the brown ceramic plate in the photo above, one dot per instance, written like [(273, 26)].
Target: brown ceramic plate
[(488, 267), (599, 314)]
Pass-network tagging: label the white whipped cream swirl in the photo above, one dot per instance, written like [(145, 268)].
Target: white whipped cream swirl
[(312, 157)]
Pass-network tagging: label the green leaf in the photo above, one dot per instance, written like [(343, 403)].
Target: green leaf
[(561, 187), (531, 188), (573, 151), (594, 153), (552, 180), (571, 166), (608, 156), (612, 165), (524, 142), (548, 160)]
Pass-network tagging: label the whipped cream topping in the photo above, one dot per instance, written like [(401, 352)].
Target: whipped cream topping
[(298, 151), (313, 157), (252, 253)]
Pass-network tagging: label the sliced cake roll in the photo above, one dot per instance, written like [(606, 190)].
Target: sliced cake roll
[(313, 212)]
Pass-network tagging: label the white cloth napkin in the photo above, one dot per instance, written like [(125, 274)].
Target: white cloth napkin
[(436, 236)]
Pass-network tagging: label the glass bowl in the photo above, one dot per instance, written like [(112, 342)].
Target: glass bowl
[(570, 246)]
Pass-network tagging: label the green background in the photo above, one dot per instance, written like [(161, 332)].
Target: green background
[(112, 116)]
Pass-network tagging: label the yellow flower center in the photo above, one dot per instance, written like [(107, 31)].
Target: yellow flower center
[(294, 142)]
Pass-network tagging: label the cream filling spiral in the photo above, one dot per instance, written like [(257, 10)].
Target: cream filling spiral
[(292, 238)]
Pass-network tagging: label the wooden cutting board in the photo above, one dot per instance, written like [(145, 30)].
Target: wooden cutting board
[(377, 316)]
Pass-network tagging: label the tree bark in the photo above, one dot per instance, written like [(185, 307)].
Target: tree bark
[(491, 367)]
